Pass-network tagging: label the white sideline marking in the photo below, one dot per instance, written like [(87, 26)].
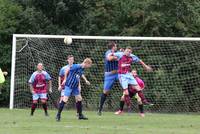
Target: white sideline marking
[(102, 127)]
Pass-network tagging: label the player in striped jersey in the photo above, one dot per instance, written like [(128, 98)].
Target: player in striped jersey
[(71, 82), (110, 75), (39, 82), (70, 60)]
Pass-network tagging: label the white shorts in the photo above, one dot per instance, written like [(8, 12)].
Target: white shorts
[(127, 79), (62, 93), (42, 96)]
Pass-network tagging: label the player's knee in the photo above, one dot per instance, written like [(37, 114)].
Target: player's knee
[(106, 92), (138, 88), (139, 102), (79, 98), (43, 101), (125, 92), (65, 99), (35, 101), (122, 98)]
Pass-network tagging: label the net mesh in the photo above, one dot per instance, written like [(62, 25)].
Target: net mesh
[(173, 86)]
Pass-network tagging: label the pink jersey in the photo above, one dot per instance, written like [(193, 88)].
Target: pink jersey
[(140, 82), (124, 64), (39, 81)]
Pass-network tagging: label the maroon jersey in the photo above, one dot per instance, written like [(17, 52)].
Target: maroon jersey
[(39, 81), (124, 64)]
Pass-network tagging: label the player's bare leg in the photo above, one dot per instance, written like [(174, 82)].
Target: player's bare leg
[(79, 108), (138, 89), (140, 105), (61, 106), (120, 111)]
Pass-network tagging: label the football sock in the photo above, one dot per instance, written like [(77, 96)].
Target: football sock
[(141, 108), (103, 98), (33, 107), (44, 105), (79, 107), (61, 106), (121, 105)]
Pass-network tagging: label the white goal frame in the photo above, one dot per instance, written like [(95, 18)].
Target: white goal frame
[(15, 36)]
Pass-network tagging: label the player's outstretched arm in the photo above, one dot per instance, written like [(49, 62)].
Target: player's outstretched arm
[(146, 67), (85, 79)]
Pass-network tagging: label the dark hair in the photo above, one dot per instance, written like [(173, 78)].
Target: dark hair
[(111, 44), (128, 47), (69, 56)]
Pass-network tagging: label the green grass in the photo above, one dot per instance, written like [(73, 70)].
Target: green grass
[(19, 122)]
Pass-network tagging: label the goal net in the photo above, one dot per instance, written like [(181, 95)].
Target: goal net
[(173, 86)]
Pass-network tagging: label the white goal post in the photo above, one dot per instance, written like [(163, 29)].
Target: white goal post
[(127, 40)]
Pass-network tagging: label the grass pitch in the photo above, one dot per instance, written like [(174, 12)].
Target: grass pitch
[(19, 122)]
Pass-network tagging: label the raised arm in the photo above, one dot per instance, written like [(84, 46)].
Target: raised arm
[(138, 60), (146, 67), (114, 56)]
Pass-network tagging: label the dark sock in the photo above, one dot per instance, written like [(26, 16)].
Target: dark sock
[(127, 100), (141, 95), (103, 99), (141, 108), (61, 106), (33, 107), (79, 107), (44, 105), (121, 105)]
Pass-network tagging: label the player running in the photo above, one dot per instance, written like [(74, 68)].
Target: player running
[(125, 59), (39, 82), (111, 75), (132, 93), (71, 82)]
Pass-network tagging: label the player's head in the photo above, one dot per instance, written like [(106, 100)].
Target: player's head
[(70, 59), (128, 51), (134, 72), (112, 45), (39, 66), (87, 63)]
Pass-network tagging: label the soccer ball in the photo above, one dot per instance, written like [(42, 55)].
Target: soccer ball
[(68, 40)]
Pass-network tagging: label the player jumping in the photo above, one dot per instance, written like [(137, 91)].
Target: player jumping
[(111, 75), (71, 82), (39, 82), (132, 93), (125, 59)]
